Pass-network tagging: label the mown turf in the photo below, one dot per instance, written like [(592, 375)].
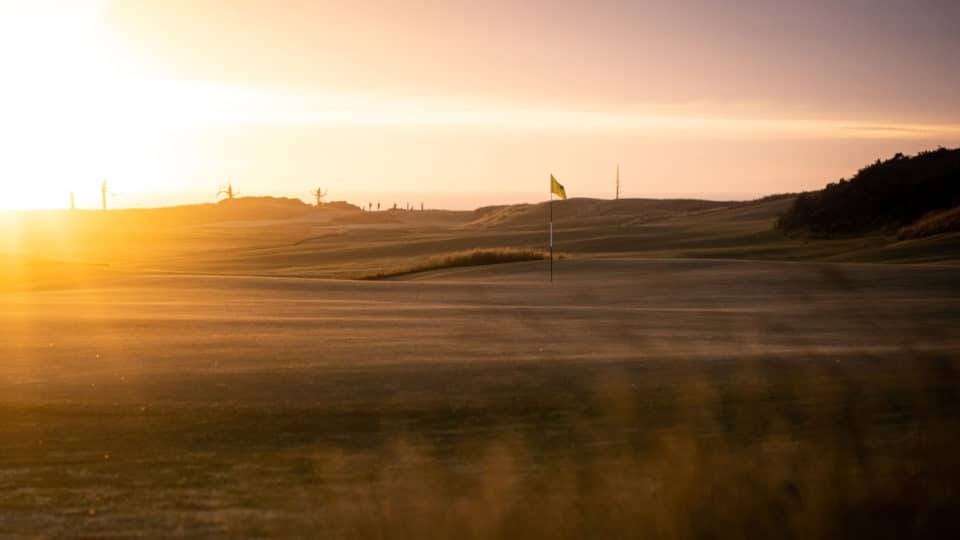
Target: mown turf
[(813, 447), (658, 398)]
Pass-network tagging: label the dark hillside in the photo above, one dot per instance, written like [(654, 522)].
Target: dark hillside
[(881, 197)]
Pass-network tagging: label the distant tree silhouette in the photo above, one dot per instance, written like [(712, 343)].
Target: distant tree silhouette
[(227, 192), (881, 197), (319, 194)]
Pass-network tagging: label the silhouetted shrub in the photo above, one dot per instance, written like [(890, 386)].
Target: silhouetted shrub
[(881, 197)]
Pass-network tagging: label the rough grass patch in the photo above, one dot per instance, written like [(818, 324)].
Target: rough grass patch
[(475, 257), (933, 223)]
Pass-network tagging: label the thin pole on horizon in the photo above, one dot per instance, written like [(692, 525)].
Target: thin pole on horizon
[(618, 182)]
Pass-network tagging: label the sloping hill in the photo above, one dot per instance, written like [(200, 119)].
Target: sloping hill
[(583, 211), (880, 198), (936, 222), (239, 209), (295, 240)]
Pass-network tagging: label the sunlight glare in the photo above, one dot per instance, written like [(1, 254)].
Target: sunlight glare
[(71, 116)]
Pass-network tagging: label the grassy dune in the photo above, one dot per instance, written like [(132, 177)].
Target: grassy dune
[(934, 223), (308, 242)]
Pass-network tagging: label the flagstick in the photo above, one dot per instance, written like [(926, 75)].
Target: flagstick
[(551, 233)]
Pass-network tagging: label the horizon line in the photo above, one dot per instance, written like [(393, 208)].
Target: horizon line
[(741, 198)]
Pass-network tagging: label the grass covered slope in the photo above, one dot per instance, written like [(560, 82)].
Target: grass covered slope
[(881, 197), (268, 237), (938, 222), (585, 211)]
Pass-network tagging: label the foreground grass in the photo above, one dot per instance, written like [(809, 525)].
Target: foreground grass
[(813, 448), (475, 257)]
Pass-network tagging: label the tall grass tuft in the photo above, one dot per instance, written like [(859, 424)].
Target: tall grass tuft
[(933, 223), (475, 257)]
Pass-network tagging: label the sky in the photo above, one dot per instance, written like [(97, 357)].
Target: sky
[(464, 104)]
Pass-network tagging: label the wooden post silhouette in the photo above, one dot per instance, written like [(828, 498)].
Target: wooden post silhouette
[(103, 195), (618, 182)]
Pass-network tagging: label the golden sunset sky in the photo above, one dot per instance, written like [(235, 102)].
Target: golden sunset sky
[(461, 104)]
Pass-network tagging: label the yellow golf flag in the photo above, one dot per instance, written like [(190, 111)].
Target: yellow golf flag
[(556, 188)]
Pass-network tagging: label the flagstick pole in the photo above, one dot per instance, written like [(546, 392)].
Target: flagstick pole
[(551, 234)]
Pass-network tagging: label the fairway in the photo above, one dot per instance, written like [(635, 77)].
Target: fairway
[(475, 402)]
